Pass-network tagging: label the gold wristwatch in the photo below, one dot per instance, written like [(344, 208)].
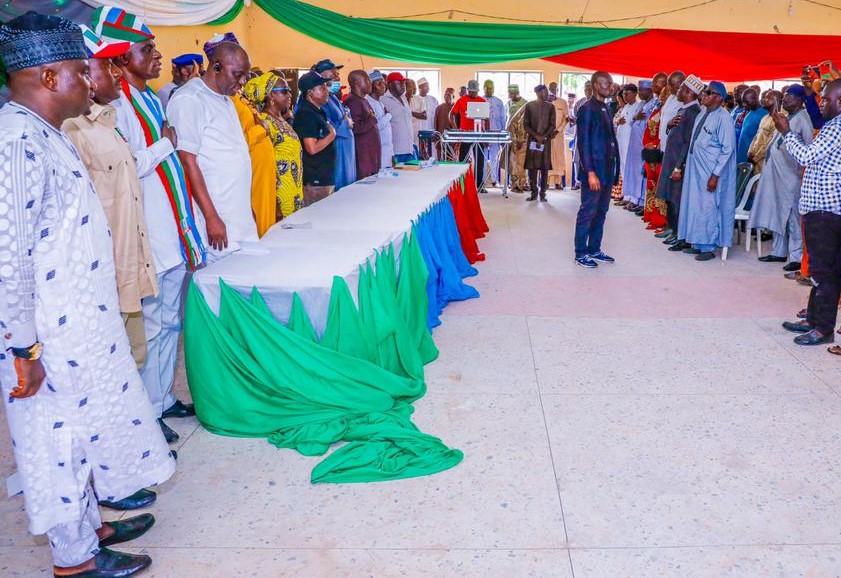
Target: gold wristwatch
[(30, 353)]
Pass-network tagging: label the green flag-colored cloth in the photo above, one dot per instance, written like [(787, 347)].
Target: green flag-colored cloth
[(438, 42), (252, 376)]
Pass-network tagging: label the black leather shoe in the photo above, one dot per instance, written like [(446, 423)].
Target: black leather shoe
[(139, 499), (772, 259), (793, 266), (670, 240), (531, 198), (180, 409), (692, 251), (797, 326), (110, 564), (128, 529), (680, 246), (543, 199), (169, 433), (705, 256), (814, 338), (639, 212)]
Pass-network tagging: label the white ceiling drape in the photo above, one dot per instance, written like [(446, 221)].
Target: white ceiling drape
[(172, 12)]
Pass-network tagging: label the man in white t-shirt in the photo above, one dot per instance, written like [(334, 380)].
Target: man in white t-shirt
[(214, 152)]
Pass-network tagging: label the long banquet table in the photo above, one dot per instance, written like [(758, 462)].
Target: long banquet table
[(333, 237), (319, 333)]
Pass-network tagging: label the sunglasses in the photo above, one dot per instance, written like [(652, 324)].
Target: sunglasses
[(282, 89)]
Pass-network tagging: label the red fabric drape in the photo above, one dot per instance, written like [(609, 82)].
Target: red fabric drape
[(474, 208), (726, 56)]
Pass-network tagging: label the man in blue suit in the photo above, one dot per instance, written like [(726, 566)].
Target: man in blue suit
[(598, 157)]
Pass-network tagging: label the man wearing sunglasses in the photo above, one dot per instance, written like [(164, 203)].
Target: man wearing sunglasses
[(708, 200)]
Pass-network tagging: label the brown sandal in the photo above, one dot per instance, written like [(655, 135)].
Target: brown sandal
[(834, 349)]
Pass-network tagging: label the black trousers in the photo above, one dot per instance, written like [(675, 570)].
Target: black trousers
[(822, 232), (544, 180), (673, 211), (478, 161)]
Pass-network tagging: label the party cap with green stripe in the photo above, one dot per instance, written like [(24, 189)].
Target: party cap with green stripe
[(114, 24)]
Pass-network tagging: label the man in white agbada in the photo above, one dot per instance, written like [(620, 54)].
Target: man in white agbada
[(213, 150), (496, 122), (623, 123), (708, 198), (378, 89), (170, 220), (634, 117), (671, 107), (431, 104), (75, 403), (775, 206)]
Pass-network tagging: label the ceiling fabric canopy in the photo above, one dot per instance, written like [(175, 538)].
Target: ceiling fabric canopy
[(436, 42), (177, 12), (726, 56)]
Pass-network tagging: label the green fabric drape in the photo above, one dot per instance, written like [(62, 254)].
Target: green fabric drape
[(251, 376), (436, 42), (230, 15)]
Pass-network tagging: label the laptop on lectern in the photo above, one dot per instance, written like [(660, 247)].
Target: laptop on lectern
[(478, 110)]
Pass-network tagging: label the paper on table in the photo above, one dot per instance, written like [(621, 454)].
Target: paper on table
[(254, 247), (304, 225), (14, 485)]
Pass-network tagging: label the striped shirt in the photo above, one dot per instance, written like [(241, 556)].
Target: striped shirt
[(821, 189)]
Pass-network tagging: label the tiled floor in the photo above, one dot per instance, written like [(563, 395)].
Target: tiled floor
[(649, 419)]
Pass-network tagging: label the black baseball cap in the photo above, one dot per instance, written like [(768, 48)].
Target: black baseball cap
[(310, 80), (326, 64)]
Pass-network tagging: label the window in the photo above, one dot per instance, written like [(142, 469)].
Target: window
[(574, 82), (433, 75), (501, 79)]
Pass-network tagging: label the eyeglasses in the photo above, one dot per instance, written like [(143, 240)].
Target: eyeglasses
[(282, 89)]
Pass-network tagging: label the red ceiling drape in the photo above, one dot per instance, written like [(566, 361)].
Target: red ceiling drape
[(726, 56)]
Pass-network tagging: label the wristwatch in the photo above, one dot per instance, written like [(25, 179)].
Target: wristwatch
[(30, 353)]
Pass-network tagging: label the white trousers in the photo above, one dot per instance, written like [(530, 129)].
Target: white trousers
[(76, 542), (162, 324), (790, 244)]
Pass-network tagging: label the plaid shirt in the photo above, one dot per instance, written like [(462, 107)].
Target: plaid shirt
[(821, 189)]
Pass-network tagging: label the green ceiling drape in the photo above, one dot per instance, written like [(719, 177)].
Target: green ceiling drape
[(230, 15), (437, 42)]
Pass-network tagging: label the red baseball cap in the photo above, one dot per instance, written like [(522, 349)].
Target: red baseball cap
[(392, 76)]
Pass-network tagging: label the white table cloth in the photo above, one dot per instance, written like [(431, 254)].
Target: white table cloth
[(332, 237)]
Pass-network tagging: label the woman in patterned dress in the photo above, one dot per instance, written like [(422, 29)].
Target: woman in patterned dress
[(271, 97), (655, 209)]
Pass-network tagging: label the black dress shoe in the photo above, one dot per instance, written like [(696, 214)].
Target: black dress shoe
[(705, 256), (680, 246), (128, 529), (692, 251), (110, 564), (639, 212), (543, 199), (814, 338), (793, 266), (169, 433), (772, 259), (180, 409), (797, 326), (531, 198), (139, 499)]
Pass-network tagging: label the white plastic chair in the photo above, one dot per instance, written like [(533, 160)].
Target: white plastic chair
[(742, 214)]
